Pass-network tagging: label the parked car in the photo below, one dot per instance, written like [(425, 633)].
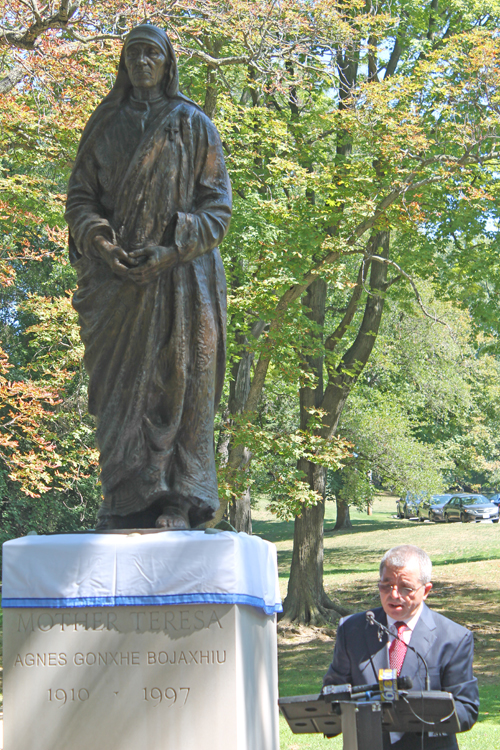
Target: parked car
[(432, 507), (407, 506), (465, 507), (495, 499)]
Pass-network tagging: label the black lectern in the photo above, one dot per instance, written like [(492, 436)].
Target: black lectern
[(362, 717)]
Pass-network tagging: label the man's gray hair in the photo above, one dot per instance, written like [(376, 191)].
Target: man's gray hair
[(400, 556)]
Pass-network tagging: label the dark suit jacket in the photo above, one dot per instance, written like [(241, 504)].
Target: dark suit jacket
[(447, 648)]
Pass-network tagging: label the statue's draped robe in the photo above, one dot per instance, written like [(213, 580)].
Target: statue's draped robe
[(153, 174)]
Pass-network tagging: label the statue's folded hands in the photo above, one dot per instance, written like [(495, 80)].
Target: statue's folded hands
[(151, 261), (115, 256)]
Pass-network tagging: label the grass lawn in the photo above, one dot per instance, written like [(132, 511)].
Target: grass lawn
[(466, 578)]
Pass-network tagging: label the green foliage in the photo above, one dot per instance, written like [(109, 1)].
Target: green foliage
[(276, 445), (414, 152), (46, 438), (385, 446), (425, 414)]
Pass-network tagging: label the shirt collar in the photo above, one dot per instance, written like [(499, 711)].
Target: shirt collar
[(410, 622)]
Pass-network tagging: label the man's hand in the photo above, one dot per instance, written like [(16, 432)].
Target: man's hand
[(152, 261), (115, 256)]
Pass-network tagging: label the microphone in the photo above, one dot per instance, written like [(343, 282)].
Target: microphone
[(370, 619), (343, 692), (404, 683)]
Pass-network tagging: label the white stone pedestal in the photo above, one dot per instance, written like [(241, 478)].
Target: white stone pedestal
[(199, 676)]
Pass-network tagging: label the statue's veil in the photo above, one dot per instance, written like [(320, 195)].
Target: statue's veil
[(122, 86)]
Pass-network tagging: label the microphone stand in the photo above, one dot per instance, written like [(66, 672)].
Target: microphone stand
[(370, 618)]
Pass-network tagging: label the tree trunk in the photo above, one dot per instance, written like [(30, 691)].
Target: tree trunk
[(240, 513), (239, 457), (211, 87), (343, 518), (306, 601), (211, 91)]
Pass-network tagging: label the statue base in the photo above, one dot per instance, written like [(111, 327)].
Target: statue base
[(200, 675)]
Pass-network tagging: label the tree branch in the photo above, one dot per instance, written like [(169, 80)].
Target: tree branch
[(332, 340), (407, 276), (342, 379), (25, 38), (218, 62), (372, 60), (392, 281), (96, 38), (432, 20), (393, 59), (12, 78)]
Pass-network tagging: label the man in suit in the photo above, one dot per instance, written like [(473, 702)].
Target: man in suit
[(405, 583)]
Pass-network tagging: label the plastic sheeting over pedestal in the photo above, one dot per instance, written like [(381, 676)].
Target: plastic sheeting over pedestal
[(108, 570)]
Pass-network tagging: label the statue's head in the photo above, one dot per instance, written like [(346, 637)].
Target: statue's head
[(147, 59), (152, 42)]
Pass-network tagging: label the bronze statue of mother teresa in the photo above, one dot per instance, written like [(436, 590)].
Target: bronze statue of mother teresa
[(149, 201)]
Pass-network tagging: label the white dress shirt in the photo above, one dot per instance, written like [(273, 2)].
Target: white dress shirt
[(405, 636), (410, 626)]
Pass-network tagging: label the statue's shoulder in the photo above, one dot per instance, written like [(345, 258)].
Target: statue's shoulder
[(189, 109)]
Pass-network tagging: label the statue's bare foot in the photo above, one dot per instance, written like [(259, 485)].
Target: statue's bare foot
[(172, 520)]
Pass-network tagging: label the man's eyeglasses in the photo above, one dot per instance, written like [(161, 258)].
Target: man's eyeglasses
[(404, 591)]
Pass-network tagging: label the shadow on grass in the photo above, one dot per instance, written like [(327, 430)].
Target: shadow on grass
[(364, 525), (302, 665), (488, 555), (279, 531), (346, 559), (489, 709), (273, 531)]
